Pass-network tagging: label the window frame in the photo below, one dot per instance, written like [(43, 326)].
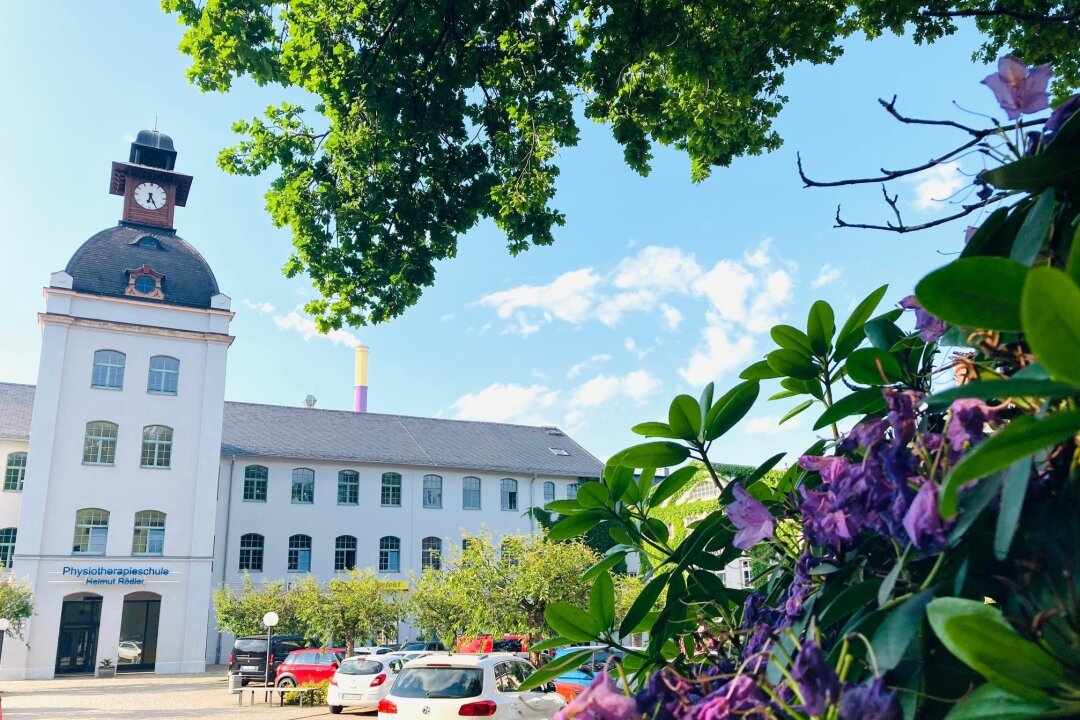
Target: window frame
[(432, 495), (508, 495), (299, 544), (15, 471), (349, 481), (572, 490), (302, 481), (341, 553), (549, 492), (148, 526), (392, 550), (86, 520), (105, 445), (157, 450), (252, 554), (109, 374), (431, 553), (387, 489), (163, 373), (466, 490), (253, 483), (7, 546)]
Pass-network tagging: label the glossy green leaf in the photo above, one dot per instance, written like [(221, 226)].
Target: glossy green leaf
[(672, 484), (655, 429), (1000, 389), (706, 402), (894, 635), (852, 333), (571, 622), (887, 585), (973, 502), (1073, 266), (644, 603), (849, 600), (1035, 230), (761, 370), (978, 635), (592, 495), (784, 394), (989, 702), (654, 455), (564, 507), (860, 402), (655, 529), (991, 235), (1051, 315), (1020, 438), (573, 525), (883, 333), (761, 470), (603, 565), (1013, 491), (602, 600), (619, 479), (731, 408), (795, 411), (549, 644), (873, 366), (976, 292), (684, 417), (555, 668), (791, 338), (620, 535), (793, 364), (820, 327), (1055, 165), (636, 490)]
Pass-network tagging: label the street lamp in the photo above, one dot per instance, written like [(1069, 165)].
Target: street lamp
[(270, 619)]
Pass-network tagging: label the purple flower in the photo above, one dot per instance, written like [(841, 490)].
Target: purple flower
[(753, 520), (665, 695), (1018, 88), (930, 328), (1061, 113), (828, 465), (602, 700), (967, 425), (870, 702), (922, 521), (818, 683), (802, 585), (739, 699)]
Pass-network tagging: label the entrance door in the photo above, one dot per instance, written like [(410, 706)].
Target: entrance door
[(138, 632), (76, 647)]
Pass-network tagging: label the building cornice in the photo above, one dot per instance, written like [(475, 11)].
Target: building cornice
[(135, 328)]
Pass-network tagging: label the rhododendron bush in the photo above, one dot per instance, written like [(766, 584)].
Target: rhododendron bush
[(925, 552)]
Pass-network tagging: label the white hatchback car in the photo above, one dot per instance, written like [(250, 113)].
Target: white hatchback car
[(442, 686), (363, 680)]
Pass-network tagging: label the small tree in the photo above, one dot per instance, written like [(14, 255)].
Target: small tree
[(16, 603), (242, 613), (359, 605)]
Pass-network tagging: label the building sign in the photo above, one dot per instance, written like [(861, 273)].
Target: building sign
[(122, 575)]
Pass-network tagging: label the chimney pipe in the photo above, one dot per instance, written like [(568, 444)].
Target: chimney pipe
[(360, 381)]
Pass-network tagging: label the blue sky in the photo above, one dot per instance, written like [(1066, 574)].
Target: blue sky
[(654, 286)]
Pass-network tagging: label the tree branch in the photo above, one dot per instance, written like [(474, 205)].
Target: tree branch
[(900, 227)]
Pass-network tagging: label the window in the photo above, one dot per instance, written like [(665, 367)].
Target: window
[(389, 554), (164, 375), (108, 369), (300, 553), (156, 446), (431, 553), (256, 478), (391, 490), (348, 487), (251, 552), (7, 546), (747, 573), (147, 241), (508, 491), (549, 492), (303, 485), (559, 451), (571, 491), (470, 493), (91, 531), (345, 552), (432, 491), (100, 445), (149, 537), (703, 490), (15, 471)]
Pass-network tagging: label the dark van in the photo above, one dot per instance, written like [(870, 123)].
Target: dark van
[(248, 656)]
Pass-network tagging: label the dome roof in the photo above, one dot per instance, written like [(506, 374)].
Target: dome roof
[(154, 139), (101, 265)]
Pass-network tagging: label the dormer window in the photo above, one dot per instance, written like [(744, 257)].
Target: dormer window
[(145, 282), (148, 241)]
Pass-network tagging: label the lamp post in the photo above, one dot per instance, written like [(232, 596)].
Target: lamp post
[(270, 619), (5, 625)]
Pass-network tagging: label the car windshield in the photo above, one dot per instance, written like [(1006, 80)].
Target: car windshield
[(359, 667), (250, 645), (439, 682)]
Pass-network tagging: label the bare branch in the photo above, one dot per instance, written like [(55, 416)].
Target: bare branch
[(900, 227)]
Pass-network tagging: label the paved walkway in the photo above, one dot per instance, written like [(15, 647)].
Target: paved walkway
[(139, 696)]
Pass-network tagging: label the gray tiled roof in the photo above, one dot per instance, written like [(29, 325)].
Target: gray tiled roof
[(308, 434), (100, 265)]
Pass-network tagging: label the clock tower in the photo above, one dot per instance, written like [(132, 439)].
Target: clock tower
[(147, 182)]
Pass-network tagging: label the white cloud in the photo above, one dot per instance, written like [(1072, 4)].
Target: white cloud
[(576, 369), (722, 350), (509, 402), (759, 256), (769, 425), (263, 307), (638, 386), (297, 321), (632, 347), (937, 184), (447, 316), (672, 317), (828, 273), (569, 297)]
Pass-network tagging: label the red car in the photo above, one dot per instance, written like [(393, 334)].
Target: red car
[(309, 665)]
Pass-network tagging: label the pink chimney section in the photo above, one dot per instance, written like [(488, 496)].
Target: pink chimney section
[(360, 383)]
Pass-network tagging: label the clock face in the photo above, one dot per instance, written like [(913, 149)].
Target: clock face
[(150, 195)]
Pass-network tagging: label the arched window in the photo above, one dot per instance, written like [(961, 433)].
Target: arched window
[(348, 487), (256, 479), (391, 490), (303, 486), (108, 369), (345, 552), (470, 493), (15, 471), (571, 491), (91, 531), (549, 492), (164, 376), (149, 536), (508, 492), (432, 491), (156, 446), (431, 553), (99, 448), (300, 553), (389, 554), (7, 547), (251, 552)]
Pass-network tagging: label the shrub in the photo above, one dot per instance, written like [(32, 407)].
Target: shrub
[(317, 697)]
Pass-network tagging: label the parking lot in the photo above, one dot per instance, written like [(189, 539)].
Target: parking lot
[(138, 696)]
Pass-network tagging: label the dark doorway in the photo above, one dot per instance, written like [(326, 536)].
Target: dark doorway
[(138, 632), (76, 648)]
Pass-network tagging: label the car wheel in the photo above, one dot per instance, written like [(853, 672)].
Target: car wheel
[(244, 681), (286, 682), (335, 709)]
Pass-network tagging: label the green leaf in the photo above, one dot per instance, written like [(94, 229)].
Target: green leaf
[(549, 644), (1000, 389), (898, 629), (973, 502), (602, 600), (849, 600), (980, 637), (684, 417), (883, 333), (644, 603), (820, 327), (990, 235), (795, 411), (1051, 315), (573, 525), (761, 370), (793, 364), (860, 402), (791, 338), (761, 470), (655, 529), (571, 622), (1055, 165), (618, 479), (672, 484), (603, 565), (887, 585), (1020, 438), (592, 495), (1073, 266), (731, 408), (785, 394), (555, 668), (976, 292), (1012, 502), (564, 507), (852, 333), (655, 429), (654, 455), (620, 535), (705, 403), (867, 366), (989, 702), (1033, 233)]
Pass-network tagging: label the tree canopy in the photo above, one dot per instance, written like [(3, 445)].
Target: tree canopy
[(429, 117), (356, 606)]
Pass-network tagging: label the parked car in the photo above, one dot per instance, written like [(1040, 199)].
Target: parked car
[(371, 650), (572, 682), (421, 645), (309, 665), (487, 644), (129, 650), (362, 681), (444, 686), (248, 656)]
